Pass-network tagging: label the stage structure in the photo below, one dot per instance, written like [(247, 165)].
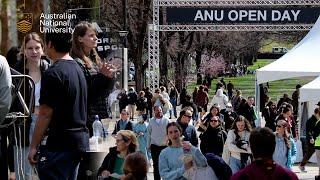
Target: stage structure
[(226, 15)]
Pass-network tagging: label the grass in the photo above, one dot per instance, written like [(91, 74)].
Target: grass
[(260, 63), (247, 83), (269, 44)]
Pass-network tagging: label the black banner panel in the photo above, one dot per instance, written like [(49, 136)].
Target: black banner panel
[(242, 15)]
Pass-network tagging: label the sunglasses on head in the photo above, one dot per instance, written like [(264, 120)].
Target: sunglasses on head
[(279, 126)]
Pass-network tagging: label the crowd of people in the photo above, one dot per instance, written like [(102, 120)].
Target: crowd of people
[(73, 85), (224, 128)]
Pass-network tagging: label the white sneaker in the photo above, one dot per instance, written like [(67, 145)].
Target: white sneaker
[(302, 168)]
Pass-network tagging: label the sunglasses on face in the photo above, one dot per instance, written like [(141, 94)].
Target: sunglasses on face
[(279, 126), (188, 116), (213, 120), (119, 140)]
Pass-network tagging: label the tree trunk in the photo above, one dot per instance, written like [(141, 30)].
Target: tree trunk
[(163, 62), (180, 71), (140, 42), (198, 59), (138, 64), (4, 27)]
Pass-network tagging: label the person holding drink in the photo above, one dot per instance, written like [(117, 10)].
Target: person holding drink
[(179, 156)]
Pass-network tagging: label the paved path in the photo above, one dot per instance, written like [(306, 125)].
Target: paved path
[(311, 168), (312, 171)]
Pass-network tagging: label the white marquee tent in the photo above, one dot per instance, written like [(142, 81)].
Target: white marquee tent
[(311, 91), (302, 60), (309, 96)]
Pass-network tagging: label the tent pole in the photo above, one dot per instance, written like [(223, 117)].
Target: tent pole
[(257, 100)]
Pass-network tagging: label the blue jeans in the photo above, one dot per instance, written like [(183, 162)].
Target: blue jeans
[(34, 118), (22, 166), (173, 101), (235, 164), (58, 165)]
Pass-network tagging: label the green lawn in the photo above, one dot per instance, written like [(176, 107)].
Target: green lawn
[(247, 83)]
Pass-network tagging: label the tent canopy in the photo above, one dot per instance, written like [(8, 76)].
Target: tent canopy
[(310, 91), (302, 60)]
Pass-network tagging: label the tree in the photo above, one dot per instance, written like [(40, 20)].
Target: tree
[(130, 15), (137, 17), (212, 65), (179, 48), (4, 26)]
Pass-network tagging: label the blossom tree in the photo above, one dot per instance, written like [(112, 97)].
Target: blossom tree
[(212, 65)]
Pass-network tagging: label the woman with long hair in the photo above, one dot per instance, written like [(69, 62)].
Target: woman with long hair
[(214, 111), (33, 65), (213, 139), (172, 165), (238, 144), (126, 143), (99, 75), (236, 99), (286, 113), (285, 152)]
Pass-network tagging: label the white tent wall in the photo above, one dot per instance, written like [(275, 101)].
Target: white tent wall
[(306, 111), (311, 91), (309, 97)]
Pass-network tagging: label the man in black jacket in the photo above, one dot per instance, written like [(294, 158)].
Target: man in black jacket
[(248, 111), (123, 123), (188, 131), (311, 123)]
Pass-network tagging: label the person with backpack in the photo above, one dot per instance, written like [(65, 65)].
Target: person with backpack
[(238, 144)]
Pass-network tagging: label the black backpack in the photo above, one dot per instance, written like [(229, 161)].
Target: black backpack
[(220, 168)]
